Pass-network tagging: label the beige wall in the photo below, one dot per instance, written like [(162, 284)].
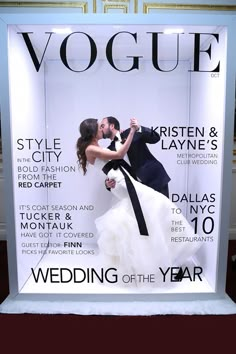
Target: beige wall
[(124, 6)]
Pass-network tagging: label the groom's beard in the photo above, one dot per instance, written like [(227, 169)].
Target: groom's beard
[(107, 135)]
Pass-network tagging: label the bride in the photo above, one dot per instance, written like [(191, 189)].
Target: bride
[(137, 234)]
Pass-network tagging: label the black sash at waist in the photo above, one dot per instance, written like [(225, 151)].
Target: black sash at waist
[(123, 167)]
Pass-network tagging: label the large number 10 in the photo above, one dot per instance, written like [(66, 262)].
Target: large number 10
[(205, 229)]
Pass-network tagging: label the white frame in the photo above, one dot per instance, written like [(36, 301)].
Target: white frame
[(59, 16)]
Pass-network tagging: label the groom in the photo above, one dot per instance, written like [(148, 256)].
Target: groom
[(146, 167)]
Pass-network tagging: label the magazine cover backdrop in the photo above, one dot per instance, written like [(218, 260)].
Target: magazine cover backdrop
[(173, 84)]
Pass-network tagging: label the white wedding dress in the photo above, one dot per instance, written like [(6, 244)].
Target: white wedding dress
[(119, 239)]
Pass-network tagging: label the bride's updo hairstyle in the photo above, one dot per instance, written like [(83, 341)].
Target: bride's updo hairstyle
[(88, 131)]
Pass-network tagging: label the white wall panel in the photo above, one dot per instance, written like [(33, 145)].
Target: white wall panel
[(124, 7)]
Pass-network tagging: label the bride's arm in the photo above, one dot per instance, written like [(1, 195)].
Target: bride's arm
[(93, 151)]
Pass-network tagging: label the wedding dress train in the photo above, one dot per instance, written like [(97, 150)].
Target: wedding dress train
[(119, 238)]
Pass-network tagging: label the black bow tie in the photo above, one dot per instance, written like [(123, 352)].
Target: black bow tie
[(117, 139)]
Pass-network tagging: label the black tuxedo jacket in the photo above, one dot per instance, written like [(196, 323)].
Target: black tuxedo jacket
[(144, 164)]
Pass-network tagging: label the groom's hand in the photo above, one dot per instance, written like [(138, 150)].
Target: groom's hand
[(110, 183)]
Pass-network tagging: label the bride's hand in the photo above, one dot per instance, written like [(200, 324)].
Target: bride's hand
[(133, 124)]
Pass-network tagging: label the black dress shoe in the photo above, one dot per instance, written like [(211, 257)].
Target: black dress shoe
[(179, 275)]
